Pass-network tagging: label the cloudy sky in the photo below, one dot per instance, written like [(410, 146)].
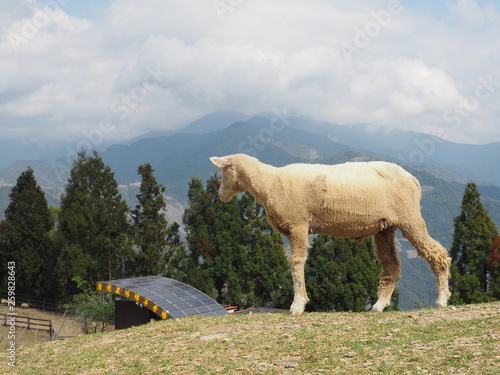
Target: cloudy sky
[(116, 69)]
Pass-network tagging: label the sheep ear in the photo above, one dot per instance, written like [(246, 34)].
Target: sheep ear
[(221, 162)]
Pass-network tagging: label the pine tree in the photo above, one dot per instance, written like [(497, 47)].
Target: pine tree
[(24, 237), (93, 224), (474, 232), (175, 263), (158, 243), (229, 238), (268, 273), (57, 244), (341, 275), (216, 244), (198, 219), (234, 254)]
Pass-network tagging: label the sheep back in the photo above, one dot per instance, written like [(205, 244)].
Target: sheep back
[(349, 200)]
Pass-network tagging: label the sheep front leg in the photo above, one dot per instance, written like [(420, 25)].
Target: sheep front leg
[(299, 245)]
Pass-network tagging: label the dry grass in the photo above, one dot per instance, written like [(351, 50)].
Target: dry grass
[(64, 326), (463, 340)]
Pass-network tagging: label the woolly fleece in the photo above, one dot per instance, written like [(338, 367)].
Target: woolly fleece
[(352, 200)]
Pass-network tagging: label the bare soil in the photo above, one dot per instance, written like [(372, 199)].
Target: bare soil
[(65, 326)]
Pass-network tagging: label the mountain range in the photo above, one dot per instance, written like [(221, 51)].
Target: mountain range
[(442, 168)]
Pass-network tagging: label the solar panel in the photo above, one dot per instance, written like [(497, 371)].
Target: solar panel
[(166, 297)]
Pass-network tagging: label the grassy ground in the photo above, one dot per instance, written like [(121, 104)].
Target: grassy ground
[(462, 340)]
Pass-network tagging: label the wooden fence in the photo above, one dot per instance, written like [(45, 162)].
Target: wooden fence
[(33, 324)]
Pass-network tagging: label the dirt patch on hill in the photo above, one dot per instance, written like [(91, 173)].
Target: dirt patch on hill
[(64, 326), (464, 313)]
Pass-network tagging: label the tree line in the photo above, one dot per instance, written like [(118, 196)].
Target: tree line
[(230, 251)]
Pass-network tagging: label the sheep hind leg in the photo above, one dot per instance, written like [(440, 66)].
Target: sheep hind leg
[(435, 254), (299, 245), (387, 256)]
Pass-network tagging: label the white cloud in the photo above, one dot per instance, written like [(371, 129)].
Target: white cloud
[(153, 64), (472, 14)]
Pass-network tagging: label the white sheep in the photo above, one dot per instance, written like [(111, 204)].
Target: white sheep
[(352, 200), (24, 305)]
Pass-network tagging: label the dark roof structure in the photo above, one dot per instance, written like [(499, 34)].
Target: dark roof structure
[(166, 297)]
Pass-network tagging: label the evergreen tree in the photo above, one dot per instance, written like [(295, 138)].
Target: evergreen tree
[(229, 239), (198, 219), (175, 263), (217, 248), (471, 271), (93, 224), (158, 243), (268, 273), (234, 254), (341, 275), (24, 237)]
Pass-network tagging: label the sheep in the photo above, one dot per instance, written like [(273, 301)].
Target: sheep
[(24, 305), (4, 302), (352, 200)]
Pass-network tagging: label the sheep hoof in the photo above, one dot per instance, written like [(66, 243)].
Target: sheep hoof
[(441, 304), (379, 307), (296, 309)]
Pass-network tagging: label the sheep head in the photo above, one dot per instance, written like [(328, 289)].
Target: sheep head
[(230, 185)]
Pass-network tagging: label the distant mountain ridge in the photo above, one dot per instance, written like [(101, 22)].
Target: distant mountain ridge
[(279, 141), (420, 150), (209, 123)]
